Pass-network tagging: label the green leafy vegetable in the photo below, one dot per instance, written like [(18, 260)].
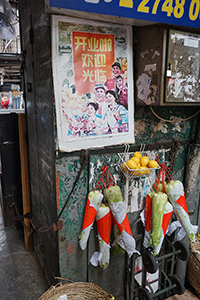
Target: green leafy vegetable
[(113, 194), (160, 187), (171, 185), (159, 201), (95, 198)]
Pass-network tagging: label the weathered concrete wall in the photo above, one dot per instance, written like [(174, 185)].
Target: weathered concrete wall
[(36, 45)]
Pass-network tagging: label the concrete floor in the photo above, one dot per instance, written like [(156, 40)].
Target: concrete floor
[(20, 275), (186, 296)]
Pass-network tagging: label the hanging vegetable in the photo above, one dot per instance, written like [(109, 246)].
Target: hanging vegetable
[(159, 201), (104, 221), (118, 243), (93, 203), (148, 217), (165, 223), (175, 192), (148, 223), (118, 207)]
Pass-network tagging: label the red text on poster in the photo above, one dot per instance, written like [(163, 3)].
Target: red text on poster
[(93, 55)]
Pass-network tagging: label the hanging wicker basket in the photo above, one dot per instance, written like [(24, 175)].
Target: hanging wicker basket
[(77, 291), (193, 266)]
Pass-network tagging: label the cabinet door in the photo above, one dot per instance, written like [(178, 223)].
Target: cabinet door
[(149, 55), (183, 75)]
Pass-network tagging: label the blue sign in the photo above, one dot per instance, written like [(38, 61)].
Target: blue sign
[(175, 12)]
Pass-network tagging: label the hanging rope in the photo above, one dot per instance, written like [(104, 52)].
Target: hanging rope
[(165, 172), (106, 179)]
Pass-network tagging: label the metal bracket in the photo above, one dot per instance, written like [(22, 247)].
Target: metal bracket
[(55, 227)]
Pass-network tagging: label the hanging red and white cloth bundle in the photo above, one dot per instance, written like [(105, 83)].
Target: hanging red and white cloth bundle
[(176, 194), (93, 203), (158, 210), (112, 208), (118, 207), (104, 222), (157, 213)]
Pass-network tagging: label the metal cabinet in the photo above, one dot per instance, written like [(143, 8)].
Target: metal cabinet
[(166, 64)]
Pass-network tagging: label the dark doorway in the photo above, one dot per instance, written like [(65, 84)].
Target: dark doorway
[(10, 168)]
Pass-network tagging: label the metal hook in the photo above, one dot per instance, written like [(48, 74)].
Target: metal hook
[(142, 147), (127, 147), (126, 152)]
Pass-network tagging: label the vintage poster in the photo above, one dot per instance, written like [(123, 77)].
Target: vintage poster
[(93, 83)]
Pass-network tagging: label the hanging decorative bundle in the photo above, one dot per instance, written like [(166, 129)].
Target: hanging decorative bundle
[(104, 219), (158, 210), (101, 211), (118, 208), (104, 210)]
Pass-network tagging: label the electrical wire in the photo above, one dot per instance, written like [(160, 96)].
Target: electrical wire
[(176, 120)]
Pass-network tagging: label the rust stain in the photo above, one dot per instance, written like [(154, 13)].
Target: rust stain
[(140, 126), (62, 239)]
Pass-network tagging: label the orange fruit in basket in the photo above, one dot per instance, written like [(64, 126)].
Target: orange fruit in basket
[(143, 170), (144, 160), (137, 154), (131, 164), (124, 167), (135, 172), (152, 164), (136, 159)]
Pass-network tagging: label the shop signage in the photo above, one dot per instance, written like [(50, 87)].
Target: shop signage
[(93, 83), (175, 12)]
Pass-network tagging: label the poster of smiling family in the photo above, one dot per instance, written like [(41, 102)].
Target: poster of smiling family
[(93, 83)]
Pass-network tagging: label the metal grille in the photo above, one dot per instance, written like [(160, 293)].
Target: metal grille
[(12, 46)]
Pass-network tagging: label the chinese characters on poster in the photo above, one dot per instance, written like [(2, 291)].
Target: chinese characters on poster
[(93, 84)]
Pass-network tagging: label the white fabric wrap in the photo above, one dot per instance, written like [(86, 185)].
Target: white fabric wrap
[(184, 219), (168, 209), (119, 212), (104, 249), (94, 202)]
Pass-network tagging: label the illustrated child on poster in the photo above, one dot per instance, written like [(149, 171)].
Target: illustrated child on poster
[(94, 121)]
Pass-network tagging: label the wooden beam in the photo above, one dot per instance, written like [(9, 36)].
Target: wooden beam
[(25, 180)]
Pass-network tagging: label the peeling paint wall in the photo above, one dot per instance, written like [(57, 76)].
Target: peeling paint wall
[(151, 132)]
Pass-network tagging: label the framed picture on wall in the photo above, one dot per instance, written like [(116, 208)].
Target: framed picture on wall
[(93, 83)]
